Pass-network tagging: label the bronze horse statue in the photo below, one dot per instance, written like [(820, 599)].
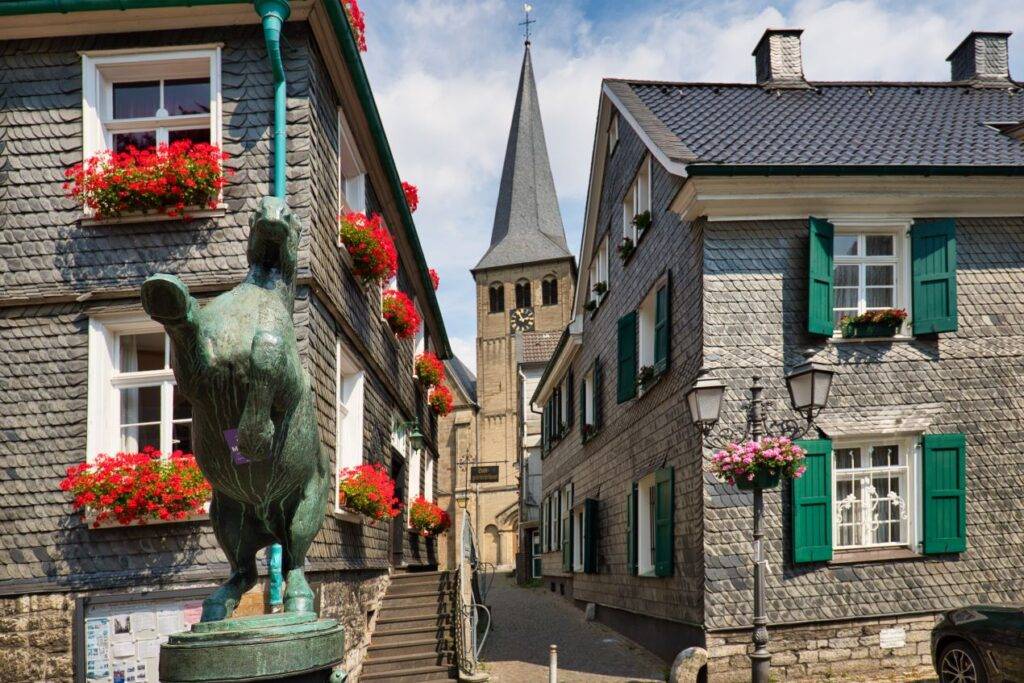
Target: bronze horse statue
[(254, 430)]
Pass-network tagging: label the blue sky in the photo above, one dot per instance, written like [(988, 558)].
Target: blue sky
[(444, 73)]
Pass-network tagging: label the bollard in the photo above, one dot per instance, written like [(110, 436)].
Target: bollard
[(553, 665)]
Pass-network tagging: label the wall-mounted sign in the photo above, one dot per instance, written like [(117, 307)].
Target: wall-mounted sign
[(483, 474), (892, 637)]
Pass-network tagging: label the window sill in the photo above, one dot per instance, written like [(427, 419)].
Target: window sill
[(870, 340), (865, 555), (648, 387), (132, 218), (648, 575), (354, 517), (89, 519)]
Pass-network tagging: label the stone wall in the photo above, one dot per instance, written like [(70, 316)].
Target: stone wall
[(846, 651), (35, 638)]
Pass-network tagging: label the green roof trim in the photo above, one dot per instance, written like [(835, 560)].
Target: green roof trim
[(349, 51), (866, 170)]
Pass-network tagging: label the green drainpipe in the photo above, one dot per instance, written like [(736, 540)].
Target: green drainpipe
[(274, 13)]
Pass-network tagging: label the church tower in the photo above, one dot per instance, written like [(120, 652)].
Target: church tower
[(524, 285)]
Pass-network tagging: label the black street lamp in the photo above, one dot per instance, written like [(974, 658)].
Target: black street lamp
[(809, 386)]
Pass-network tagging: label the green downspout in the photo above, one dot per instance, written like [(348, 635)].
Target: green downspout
[(274, 13)]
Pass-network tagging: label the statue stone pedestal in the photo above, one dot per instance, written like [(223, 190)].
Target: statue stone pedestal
[(292, 646)]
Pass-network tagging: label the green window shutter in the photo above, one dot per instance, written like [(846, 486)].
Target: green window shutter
[(662, 330), (583, 406), (819, 269), (631, 530), (567, 542), (933, 251), (598, 394), (544, 525), (627, 357), (590, 536), (545, 418), (812, 504), (570, 408), (945, 500), (664, 516)]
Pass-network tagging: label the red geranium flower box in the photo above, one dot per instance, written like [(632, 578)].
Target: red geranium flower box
[(169, 178), (369, 490), (427, 518), (374, 258), (400, 313), (429, 369), (441, 400), (356, 21), (412, 195), (138, 487)]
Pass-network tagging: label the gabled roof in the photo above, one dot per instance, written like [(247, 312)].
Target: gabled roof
[(830, 124), (463, 376), (527, 222)]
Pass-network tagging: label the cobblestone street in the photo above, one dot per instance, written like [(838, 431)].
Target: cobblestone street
[(528, 620)]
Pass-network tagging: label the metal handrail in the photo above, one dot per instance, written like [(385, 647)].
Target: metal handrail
[(467, 600)]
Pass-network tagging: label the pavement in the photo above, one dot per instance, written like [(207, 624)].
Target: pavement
[(528, 620)]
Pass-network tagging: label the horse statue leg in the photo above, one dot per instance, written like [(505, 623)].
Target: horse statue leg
[(239, 534), (303, 525), (267, 365)]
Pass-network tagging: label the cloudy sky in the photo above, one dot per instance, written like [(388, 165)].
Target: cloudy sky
[(444, 73)]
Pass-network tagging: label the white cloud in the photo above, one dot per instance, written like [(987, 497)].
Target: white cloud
[(444, 73)]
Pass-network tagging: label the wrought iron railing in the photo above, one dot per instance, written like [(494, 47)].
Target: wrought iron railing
[(468, 594)]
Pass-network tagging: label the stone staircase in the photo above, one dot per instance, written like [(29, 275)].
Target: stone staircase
[(413, 639)]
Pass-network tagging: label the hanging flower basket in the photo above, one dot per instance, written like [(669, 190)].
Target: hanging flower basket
[(170, 179), (429, 369), (440, 400), (880, 323), (374, 258), (398, 309), (356, 21), (136, 488), (368, 490), (428, 519), (412, 196), (759, 464)]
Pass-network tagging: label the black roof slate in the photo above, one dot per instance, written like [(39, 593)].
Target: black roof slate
[(830, 124)]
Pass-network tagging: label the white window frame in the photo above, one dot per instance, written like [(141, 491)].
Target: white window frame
[(415, 463), (588, 397), (349, 391), (647, 317), (557, 514), (578, 534), (428, 479), (564, 403), (103, 432), (899, 230), (646, 499), (613, 133), (102, 68), (351, 170), (910, 449), (599, 271), (637, 199)]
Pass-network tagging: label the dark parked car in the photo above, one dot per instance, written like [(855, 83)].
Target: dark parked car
[(979, 644)]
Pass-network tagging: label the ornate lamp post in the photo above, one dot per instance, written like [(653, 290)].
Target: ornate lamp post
[(809, 386)]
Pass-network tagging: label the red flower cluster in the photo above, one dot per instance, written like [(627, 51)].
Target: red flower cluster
[(167, 178), (427, 518), (369, 243), (441, 400), (400, 313), (435, 279), (368, 489), (357, 21), (412, 195), (429, 369), (138, 487)]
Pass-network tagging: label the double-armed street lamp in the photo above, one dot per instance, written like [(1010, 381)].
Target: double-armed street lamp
[(809, 385)]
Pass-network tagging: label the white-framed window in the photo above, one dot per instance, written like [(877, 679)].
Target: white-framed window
[(645, 513), (578, 534), (563, 402), (637, 199), (873, 485), (420, 340), (613, 132), (870, 268), (588, 397), (147, 97), (646, 322), (557, 520), (599, 272), (415, 463), (132, 401), (351, 171), (428, 479), (349, 385), (565, 514)]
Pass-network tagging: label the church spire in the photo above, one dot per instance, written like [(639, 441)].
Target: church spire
[(527, 221)]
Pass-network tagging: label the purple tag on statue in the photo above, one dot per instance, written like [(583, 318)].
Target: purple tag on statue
[(231, 436)]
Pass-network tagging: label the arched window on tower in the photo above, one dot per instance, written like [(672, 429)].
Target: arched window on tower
[(523, 299), (549, 290), (497, 295)]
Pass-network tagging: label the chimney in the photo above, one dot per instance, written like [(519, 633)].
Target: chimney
[(778, 60), (981, 58)]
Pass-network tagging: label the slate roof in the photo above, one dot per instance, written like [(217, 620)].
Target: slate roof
[(527, 221), (829, 124), (463, 375)]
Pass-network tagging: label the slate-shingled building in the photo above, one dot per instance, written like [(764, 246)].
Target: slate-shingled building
[(74, 338), (906, 195)]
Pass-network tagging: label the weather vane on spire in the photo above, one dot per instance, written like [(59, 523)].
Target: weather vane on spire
[(527, 8)]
